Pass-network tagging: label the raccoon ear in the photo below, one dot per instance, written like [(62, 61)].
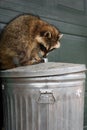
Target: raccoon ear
[(47, 34), (60, 36)]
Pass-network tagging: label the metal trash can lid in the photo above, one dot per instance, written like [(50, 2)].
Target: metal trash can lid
[(44, 69)]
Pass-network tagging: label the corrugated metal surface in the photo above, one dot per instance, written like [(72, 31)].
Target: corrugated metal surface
[(44, 103)]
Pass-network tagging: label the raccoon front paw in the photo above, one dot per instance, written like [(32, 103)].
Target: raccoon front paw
[(34, 61)]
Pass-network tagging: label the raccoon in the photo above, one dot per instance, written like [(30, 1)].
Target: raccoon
[(26, 40)]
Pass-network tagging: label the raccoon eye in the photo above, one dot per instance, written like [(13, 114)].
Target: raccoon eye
[(43, 48), (57, 38)]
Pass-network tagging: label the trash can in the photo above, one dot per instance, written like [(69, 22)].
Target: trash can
[(46, 96)]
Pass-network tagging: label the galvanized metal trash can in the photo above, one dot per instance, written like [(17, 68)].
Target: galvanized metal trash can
[(46, 96)]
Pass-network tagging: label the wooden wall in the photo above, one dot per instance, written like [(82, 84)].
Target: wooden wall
[(70, 16)]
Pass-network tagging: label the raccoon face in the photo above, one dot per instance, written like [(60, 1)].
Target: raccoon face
[(48, 39)]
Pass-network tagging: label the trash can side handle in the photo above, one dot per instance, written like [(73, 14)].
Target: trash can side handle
[(46, 96)]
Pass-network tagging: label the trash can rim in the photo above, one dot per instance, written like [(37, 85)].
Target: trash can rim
[(44, 69)]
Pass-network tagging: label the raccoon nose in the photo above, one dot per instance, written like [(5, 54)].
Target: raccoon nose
[(45, 56)]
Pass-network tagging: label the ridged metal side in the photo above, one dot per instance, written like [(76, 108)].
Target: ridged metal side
[(34, 108)]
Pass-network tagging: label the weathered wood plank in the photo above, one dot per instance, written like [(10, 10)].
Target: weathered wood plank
[(7, 15), (85, 111), (85, 127), (73, 4), (86, 85), (45, 11), (1, 27), (86, 7), (68, 28), (73, 49)]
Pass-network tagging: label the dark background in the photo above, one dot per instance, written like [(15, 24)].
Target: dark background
[(70, 16), (1, 107)]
